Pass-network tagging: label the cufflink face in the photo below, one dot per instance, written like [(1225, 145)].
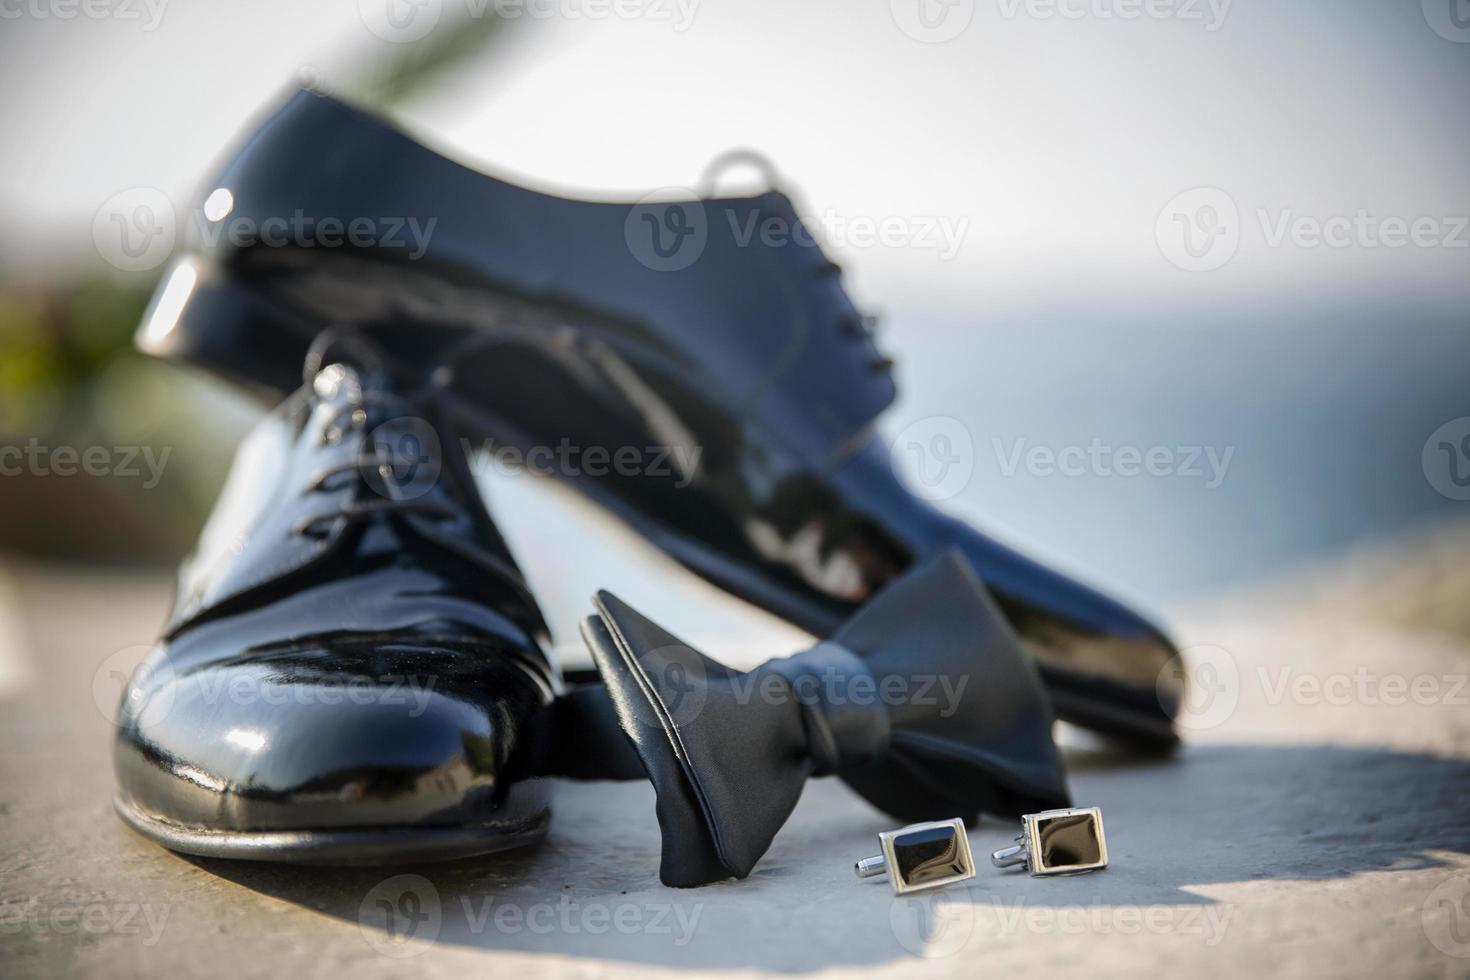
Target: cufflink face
[(1066, 841), (927, 855)]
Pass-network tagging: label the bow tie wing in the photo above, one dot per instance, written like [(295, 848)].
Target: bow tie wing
[(970, 723), (727, 762)]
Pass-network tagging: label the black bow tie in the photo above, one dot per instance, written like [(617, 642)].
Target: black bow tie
[(922, 702)]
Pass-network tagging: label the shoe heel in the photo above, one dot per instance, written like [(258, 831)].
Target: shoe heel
[(202, 315)]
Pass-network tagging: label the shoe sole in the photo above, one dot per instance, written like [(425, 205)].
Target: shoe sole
[(366, 845)]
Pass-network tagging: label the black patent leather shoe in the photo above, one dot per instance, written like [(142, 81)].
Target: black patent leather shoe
[(710, 337), (353, 670)]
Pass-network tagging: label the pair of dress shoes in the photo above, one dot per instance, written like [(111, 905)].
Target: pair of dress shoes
[(355, 669)]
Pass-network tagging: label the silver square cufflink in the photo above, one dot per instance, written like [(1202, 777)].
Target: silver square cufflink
[(922, 856), (1058, 842)]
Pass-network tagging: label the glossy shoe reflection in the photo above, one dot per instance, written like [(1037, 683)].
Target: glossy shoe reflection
[(711, 338), (353, 668)]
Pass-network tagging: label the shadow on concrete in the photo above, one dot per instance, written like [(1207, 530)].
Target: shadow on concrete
[(1215, 814)]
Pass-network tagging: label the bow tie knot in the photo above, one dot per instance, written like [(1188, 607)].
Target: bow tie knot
[(842, 713)]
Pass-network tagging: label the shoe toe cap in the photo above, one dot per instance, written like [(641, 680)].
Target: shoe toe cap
[(311, 743)]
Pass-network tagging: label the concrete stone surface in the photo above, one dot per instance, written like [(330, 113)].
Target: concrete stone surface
[(1316, 823)]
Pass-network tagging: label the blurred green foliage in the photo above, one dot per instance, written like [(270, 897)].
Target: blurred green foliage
[(52, 343), (72, 383)]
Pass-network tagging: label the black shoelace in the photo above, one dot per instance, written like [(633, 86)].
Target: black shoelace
[(381, 461)]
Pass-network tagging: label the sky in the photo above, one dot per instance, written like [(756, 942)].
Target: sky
[(1047, 137)]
